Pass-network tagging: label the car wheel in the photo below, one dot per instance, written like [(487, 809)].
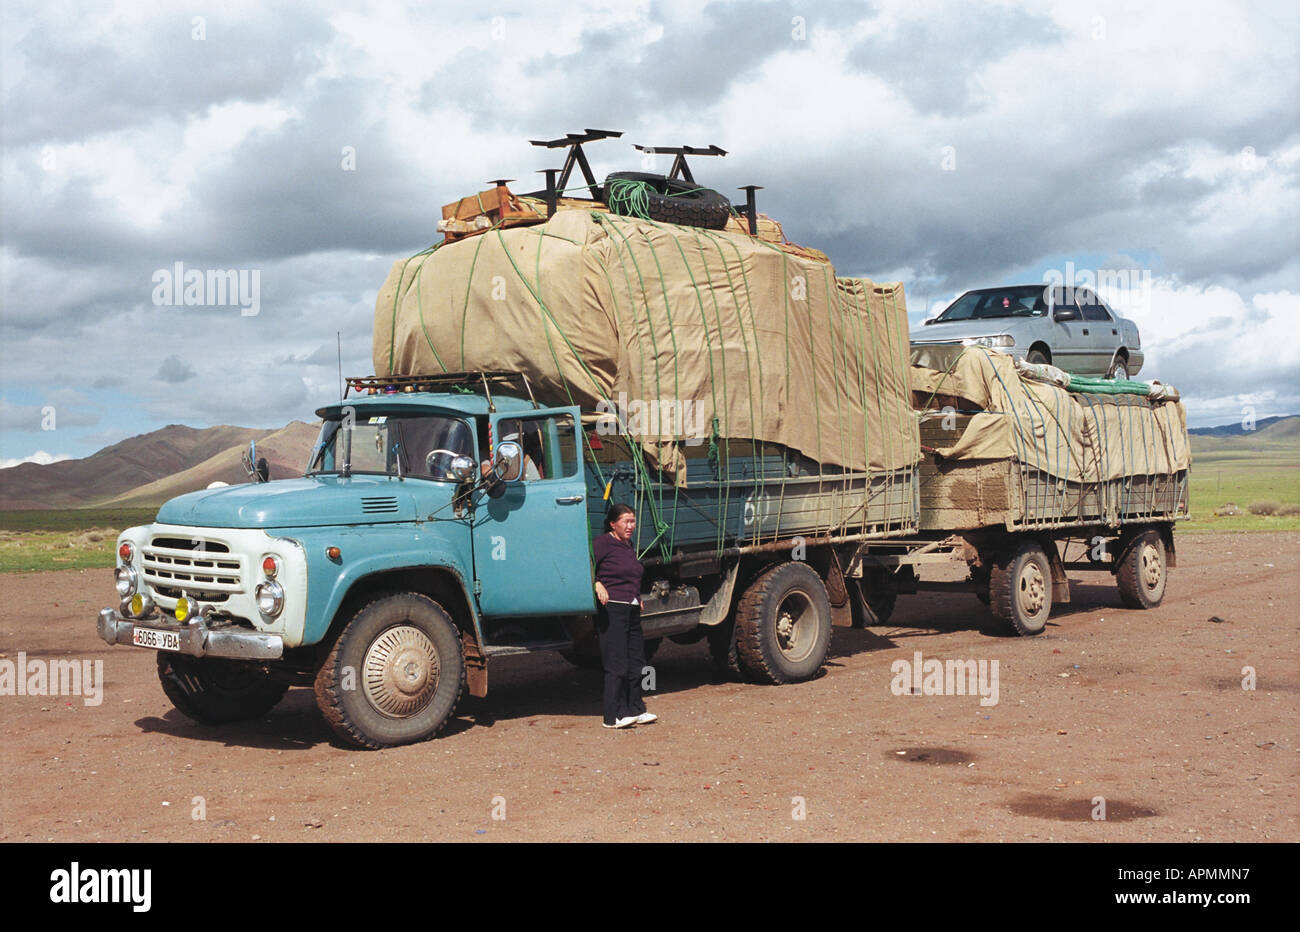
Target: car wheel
[(1037, 358), (1118, 369)]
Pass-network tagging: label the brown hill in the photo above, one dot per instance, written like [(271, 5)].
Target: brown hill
[(118, 471), (286, 452)]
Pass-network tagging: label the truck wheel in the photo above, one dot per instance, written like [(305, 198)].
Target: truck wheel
[(213, 690), (1020, 588), (878, 593), (1142, 572), (395, 674), (783, 624)]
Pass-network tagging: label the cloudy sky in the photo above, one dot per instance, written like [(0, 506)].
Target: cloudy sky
[(948, 145)]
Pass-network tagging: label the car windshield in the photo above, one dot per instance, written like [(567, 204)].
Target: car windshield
[(1018, 301), (421, 447)]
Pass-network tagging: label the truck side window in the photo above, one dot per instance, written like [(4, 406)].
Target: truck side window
[(549, 443)]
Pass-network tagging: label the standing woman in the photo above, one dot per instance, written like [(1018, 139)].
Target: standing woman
[(618, 620)]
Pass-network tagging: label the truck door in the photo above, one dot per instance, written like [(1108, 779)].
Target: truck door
[(532, 554)]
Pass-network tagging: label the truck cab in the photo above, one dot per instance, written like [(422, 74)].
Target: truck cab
[(436, 521)]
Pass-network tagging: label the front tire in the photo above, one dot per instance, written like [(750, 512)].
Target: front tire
[(1037, 357), (1020, 589), (783, 624), (213, 690), (395, 674), (1143, 572)]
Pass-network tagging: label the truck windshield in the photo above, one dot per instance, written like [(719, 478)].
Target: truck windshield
[(420, 447)]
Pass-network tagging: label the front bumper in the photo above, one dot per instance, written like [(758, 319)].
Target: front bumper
[(197, 638)]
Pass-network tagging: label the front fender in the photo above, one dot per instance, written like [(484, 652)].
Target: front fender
[(377, 549)]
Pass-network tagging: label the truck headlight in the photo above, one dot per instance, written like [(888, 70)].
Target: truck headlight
[(270, 599), (1002, 339), (126, 581)]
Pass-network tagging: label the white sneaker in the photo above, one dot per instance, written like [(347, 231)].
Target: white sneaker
[(626, 721), (645, 718)]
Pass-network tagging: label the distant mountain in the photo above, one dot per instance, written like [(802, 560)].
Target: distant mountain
[(1278, 428), (153, 467)]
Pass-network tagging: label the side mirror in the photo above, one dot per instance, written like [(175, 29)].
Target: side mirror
[(257, 469), (1065, 312), (509, 461), (928, 321)]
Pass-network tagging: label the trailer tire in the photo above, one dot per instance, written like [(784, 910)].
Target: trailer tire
[(1020, 588), (213, 690), (407, 673), (1143, 571), (783, 624)]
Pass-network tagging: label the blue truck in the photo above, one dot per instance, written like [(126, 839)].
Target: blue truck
[(445, 521)]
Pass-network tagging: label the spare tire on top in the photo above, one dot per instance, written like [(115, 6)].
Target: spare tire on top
[(669, 200)]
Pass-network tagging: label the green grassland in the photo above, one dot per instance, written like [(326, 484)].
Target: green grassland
[(1241, 471), (74, 538)]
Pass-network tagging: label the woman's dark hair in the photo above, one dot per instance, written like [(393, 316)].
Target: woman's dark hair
[(615, 512)]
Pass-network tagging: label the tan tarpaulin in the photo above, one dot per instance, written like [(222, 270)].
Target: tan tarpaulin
[(591, 306), (1069, 435)]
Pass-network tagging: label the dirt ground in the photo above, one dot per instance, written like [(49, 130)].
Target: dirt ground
[(1146, 710)]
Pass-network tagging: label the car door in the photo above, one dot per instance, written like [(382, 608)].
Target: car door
[(1102, 331), (1072, 348), (532, 553)]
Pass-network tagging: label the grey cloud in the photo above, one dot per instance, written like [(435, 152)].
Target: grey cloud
[(935, 63), (74, 87), (615, 78), (173, 371), (16, 418)]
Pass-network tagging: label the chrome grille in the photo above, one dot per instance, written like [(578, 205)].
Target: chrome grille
[(193, 565)]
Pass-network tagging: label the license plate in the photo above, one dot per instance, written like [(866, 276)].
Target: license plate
[(155, 639)]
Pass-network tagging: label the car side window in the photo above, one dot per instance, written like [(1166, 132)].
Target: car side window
[(1092, 307)]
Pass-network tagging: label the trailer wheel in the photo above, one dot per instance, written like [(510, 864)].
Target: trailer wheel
[(783, 624), (395, 674), (213, 690), (1142, 571), (1020, 588)]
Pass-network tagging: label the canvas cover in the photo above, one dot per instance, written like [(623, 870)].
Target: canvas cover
[(595, 308), (1074, 436)]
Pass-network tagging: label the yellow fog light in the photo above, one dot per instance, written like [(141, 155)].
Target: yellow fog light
[(183, 608), (137, 605)]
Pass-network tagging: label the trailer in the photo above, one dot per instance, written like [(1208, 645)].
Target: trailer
[(1022, 481)]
